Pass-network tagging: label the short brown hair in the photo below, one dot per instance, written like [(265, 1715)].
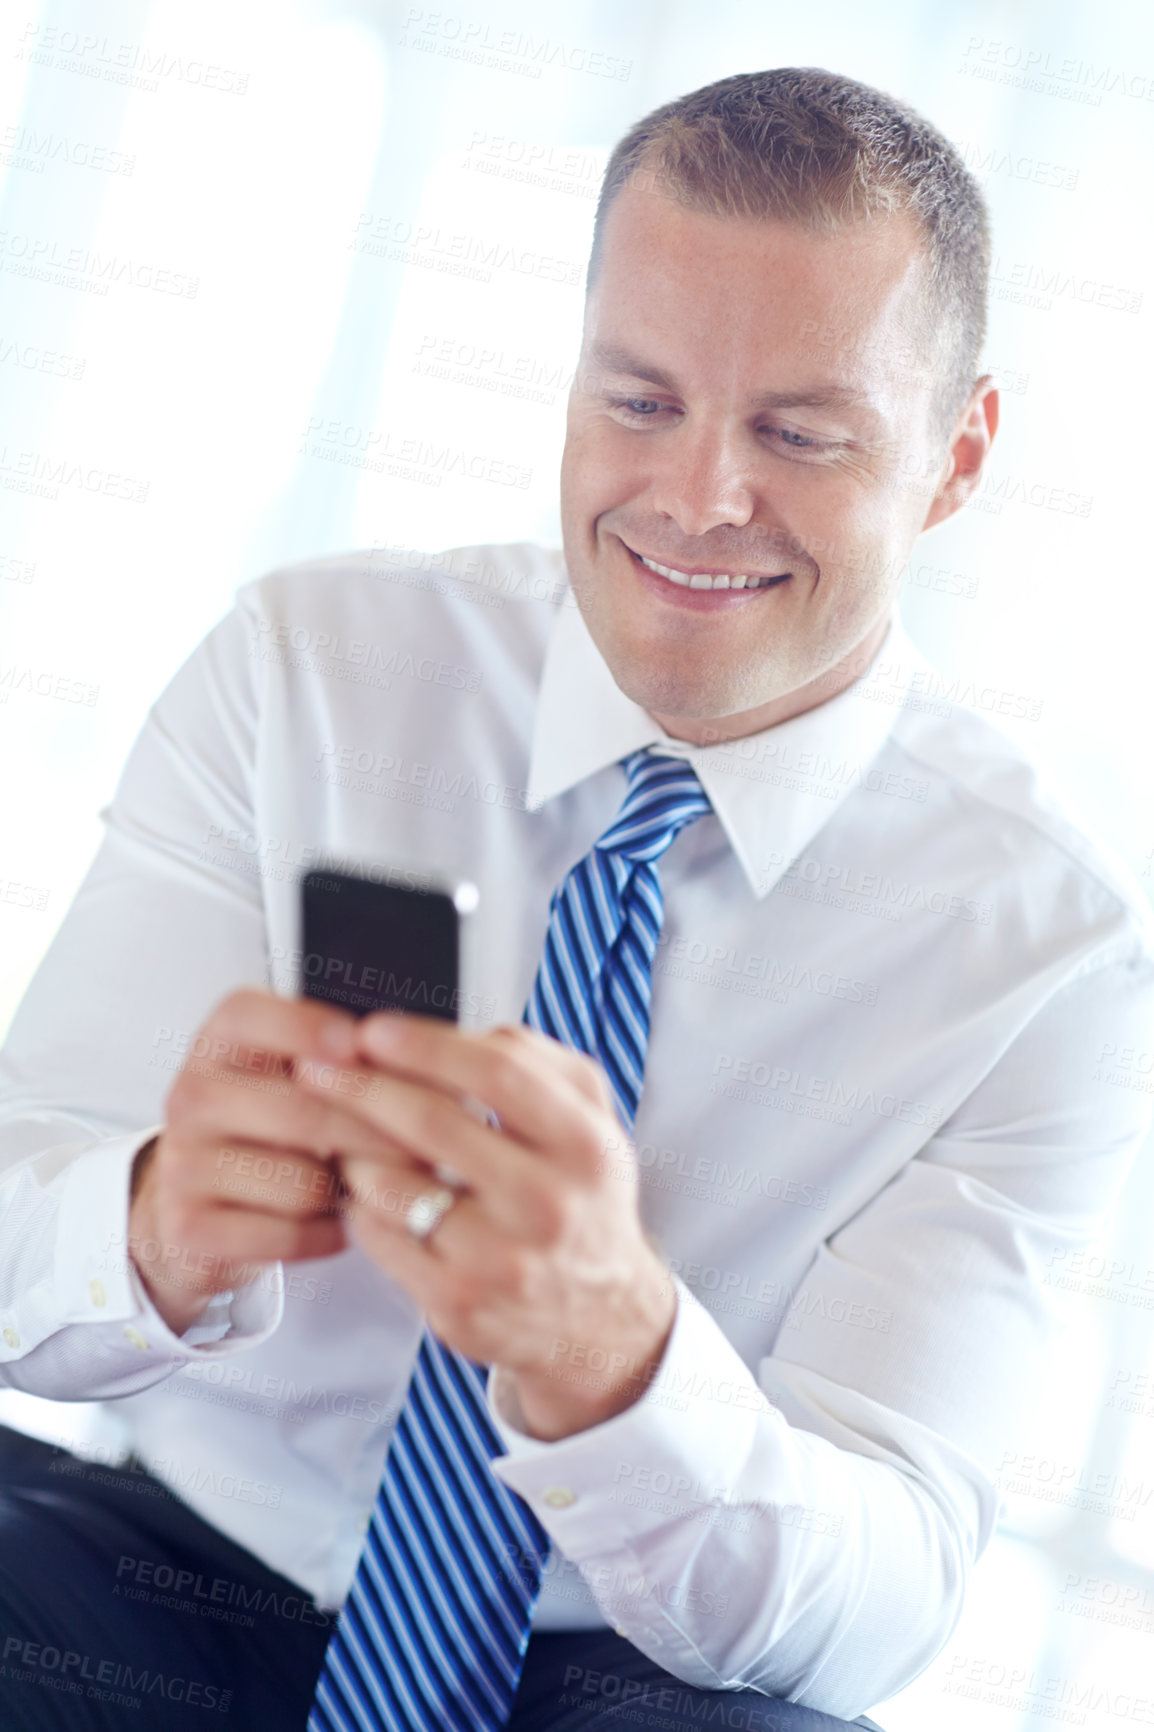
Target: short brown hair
[(805, 145)]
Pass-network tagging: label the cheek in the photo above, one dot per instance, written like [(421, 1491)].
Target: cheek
[(862, 539), (579, 477), (598, 467)]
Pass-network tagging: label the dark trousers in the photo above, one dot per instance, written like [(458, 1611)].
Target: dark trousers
[(121, 1609)]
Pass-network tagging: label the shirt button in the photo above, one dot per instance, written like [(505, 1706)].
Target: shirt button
[(135, 1338), (96, 1291), (559, 1497), (11, 1337)]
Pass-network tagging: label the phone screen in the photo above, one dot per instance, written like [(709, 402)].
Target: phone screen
[(368, 946)]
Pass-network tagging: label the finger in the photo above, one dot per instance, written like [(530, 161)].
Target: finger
[(407, 1260), (466, 1276), (390, 1188), (275, 1181), (225, 1103), (465, 1236), (433, 1129), (526, 1077), (582, 1071), (252, 1022), (387, 1187), (202, 1251), (440, 1268)]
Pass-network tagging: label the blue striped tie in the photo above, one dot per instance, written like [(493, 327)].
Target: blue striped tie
[(434, 1630)]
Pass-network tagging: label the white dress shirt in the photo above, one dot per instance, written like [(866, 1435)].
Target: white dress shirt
[(879, 1107)]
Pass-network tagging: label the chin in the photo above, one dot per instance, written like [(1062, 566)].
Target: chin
[(673, 696)]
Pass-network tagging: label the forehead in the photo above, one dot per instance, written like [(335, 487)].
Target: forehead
[(744, 292)]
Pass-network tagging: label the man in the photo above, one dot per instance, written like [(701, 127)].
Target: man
[(759, 1333)]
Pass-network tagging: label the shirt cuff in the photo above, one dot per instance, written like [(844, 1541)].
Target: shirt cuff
[(97, 1283), (677, 1451)]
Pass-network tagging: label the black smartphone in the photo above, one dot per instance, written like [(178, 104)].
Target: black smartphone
[(368, 945)]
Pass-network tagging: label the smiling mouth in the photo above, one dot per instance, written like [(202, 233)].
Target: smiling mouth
[(710, 580)]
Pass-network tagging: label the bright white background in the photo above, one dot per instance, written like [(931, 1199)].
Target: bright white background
[(194, 311)]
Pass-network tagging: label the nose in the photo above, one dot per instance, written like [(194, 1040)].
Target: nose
[(703, 480)]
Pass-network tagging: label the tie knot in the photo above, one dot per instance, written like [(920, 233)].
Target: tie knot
[(663, 795)]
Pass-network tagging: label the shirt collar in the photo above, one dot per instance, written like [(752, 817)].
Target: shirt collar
[(772, 791)]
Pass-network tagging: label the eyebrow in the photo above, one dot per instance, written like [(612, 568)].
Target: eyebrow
[(620, 360)]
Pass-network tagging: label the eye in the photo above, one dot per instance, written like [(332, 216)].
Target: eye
[(788, 439), (636, 409)]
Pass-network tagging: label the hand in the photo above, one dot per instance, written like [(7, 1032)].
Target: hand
[(543, 1256), (242, 1174)]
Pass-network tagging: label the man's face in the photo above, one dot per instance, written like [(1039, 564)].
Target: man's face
[(749, 401)]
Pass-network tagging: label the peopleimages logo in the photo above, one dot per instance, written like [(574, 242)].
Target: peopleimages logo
[(481, 44), (1046, 72), (727, 966), (457, 252), (864, 891), (217, 1591), (987, 160), (828, 1091), (63, 1669), (80, 267), (138, 65)]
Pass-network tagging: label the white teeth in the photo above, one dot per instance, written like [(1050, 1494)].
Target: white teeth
[(705, 580)]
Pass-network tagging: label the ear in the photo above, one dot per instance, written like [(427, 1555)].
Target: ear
[(970, 443)]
